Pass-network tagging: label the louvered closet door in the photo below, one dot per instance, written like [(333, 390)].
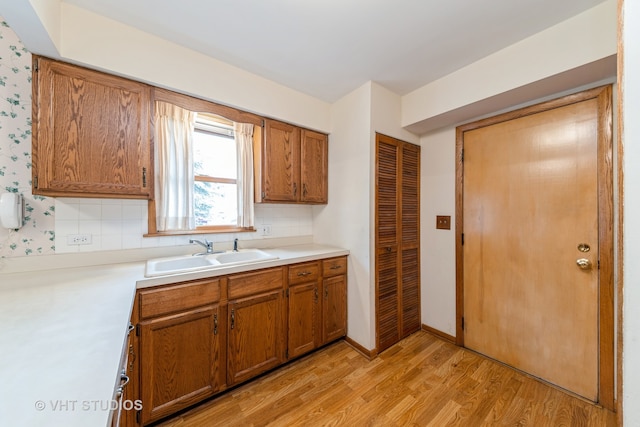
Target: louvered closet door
[(397, 240), (387, 224), (410, 239)]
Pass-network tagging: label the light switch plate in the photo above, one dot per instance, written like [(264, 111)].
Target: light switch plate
[(443, 222)]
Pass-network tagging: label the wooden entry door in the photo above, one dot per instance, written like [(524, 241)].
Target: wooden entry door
[(536, 241)]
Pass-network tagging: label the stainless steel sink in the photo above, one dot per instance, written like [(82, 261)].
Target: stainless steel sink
[(189, 263)]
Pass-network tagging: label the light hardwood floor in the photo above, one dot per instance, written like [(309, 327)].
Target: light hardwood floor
[(421, 381)]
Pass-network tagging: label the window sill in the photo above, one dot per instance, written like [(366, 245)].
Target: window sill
[(203, 230)]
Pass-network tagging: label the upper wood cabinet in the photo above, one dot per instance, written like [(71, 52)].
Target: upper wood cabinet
[(90, 133), (314, 152), (291, 165)]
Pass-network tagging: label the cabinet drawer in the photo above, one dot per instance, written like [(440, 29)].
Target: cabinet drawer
[(302, 273), (241, 285), (334, 266), (159, 301)]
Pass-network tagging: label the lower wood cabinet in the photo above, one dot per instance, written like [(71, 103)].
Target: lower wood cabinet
[(195, 339), (180, 354), (304, 319), (304, 326), (334, 308), (256, 324), (334, 303), (317, 304), (179, 347)]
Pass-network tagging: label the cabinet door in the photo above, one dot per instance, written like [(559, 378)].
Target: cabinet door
[(179, 361), (334, 308), (281, 162), (314, 167), (90, 133), (304, 319), (256, 335)]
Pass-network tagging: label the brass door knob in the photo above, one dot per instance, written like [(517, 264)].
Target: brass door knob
[(584, 264)]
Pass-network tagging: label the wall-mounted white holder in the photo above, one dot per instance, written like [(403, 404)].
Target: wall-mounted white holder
[(11, 210)]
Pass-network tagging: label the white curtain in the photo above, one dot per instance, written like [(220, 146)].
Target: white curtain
[(174, 167), (244, 143)]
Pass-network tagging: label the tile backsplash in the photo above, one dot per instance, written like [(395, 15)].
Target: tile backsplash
[(113, 224)]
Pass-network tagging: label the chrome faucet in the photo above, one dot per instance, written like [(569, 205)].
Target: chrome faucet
[(206, 244), (235, 245)]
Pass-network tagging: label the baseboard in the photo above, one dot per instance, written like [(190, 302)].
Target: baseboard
[(439, 334), (369, 354)]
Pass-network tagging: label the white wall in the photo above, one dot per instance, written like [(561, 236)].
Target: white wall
[(438, 250), (386, 115), (346, 220), (631, 141)]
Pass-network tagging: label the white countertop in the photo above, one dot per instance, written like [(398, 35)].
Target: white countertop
[(63, 331), (286, 255)]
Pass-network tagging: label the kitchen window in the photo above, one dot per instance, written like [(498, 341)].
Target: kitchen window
[(215, 168), (204, 173)]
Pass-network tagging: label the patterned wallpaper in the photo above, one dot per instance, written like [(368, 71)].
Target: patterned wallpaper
[(37, 236)]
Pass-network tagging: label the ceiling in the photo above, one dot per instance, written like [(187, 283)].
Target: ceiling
[(327, 48)]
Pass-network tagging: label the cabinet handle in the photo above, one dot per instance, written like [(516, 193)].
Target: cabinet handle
[(144, 177), (233, 318), (130, 328), (303, 273), (295, 189), (335, 267), (124, 381), (304, 190), (326, 293), (215, 324), (315, 291)]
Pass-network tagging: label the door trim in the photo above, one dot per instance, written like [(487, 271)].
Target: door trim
[(606, 336)]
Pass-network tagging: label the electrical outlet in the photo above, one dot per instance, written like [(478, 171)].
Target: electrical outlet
[(79, 239), (266, 230)]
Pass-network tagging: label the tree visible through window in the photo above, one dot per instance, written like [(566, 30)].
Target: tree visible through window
[(216, 172)]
